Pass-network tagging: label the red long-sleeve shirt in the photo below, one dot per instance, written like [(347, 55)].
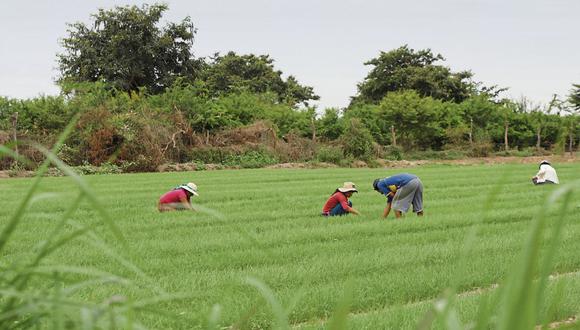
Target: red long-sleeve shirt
[(336, 198), (174, 197)]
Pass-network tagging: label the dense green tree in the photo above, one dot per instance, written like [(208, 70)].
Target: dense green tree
[(357, 141), (330, 124), (126, 48), (571, 127), (255, 74), (414, 119), (404, 68), (368, 115), (574, 97)]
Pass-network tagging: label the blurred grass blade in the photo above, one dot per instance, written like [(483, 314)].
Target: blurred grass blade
[(523, 294), (5, 151), (268, 295), (564, 193), (94, 240), (214, 317), (13, 222), (86, 191), (339, 318)]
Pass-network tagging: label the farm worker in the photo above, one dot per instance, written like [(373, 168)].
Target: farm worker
[(401, 190), (546, 174), (338, 203), (178, 198)]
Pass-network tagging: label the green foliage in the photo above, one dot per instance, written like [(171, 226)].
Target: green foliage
[(368, 115), (574, 97), (39, 293), (394, 152), (357, 141), (233, 73), (329, 154), (251, 159), (330, 124), (126, 48), (406, 69), (416, 120), (139, 132)]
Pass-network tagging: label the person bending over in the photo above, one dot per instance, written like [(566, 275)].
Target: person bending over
[(178, 198), (546, 174), (338, 203), (401, 191)]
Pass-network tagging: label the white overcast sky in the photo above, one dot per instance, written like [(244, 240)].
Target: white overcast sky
[(530, 46)]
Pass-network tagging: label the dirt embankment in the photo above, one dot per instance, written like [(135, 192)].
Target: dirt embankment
[(465, 161)]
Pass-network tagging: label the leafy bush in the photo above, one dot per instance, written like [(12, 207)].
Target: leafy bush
[(515, 152), (329, 154), (357, 141), (251, 159), (210, 155), (393, 152), (480, 149), (433, 154)]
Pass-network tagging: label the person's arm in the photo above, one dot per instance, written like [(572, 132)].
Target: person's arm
[(344, 203), (389, 201), (387, 210), (186, 203), (354, 211)]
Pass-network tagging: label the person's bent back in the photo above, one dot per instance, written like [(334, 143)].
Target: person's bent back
[(178, 198)]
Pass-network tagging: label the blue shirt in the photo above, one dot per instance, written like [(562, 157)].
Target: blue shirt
[(398, 181)]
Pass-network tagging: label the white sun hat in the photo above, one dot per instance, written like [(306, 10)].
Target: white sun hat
[(191, 187), (348, 186)]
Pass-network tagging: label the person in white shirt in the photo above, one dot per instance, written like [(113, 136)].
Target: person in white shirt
[(546, 174)]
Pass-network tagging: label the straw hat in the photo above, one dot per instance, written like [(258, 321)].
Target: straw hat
[(348, 186), (191, 187)]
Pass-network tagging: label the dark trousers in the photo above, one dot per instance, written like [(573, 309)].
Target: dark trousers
[(338, 210)]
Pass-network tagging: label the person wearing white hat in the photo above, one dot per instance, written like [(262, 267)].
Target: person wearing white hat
[(546, 174), (178, 198), (338, 203)]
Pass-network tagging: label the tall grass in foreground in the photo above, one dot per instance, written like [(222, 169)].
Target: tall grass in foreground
[(36, 294)]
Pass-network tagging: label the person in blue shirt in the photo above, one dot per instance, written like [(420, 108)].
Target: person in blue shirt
[(401, 191)]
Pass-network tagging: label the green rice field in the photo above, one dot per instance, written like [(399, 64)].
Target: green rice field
[(259, 232)]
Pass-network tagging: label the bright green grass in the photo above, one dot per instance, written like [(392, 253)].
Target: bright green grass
[(271, 230)]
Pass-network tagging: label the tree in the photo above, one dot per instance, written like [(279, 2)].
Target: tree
[(357, 141), (255, 74), (407, 69), (574, 97), (125, 48), (571, 120), (538, 115), (414, 120), (330, 124)]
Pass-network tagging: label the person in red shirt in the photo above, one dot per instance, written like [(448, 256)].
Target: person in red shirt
[(338, 203), (178, 198)]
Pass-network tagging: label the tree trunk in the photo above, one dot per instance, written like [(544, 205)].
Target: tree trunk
[(313, 127), (538, 137), (571, 143), (471, 131), (505, 136), (14, 135), (393, 136)]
